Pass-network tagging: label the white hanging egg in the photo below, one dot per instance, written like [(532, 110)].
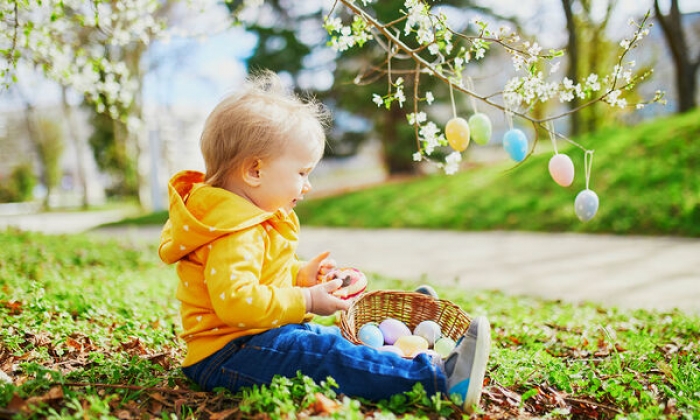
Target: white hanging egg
[(561, 168), (586, 205)]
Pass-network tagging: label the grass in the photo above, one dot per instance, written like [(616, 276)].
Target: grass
[(89, 331), (644, 176)]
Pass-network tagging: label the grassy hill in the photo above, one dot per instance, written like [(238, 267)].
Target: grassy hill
[(646, 178)]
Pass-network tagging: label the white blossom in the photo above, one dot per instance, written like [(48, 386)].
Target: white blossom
[(452, 162)]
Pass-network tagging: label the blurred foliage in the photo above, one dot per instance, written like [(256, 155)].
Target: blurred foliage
[(50, 145), (19, 186), (109, 147)]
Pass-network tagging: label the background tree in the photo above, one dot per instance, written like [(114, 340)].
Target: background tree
[(590, 51), (112, 155), (94, 48), (50, 144), (425, 36), (685, 59), (288, 44)]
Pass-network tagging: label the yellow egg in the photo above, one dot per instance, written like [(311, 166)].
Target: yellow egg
[(457, 133), (411, 345)]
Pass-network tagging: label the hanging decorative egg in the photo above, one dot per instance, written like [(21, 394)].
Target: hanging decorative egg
[(457, 133), (586, 205), (561, 168), (480, 126), (515, 143)]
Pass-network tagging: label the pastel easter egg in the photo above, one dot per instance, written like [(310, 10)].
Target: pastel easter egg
[(515, 144), (586, 205), (430, 330), (480, 126), (392, 329), (391, 349), (444, 346), (457, 133), (561, 168), (411, 345), (370, 335)]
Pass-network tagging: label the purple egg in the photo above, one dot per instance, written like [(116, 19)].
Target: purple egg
[(392, 329)]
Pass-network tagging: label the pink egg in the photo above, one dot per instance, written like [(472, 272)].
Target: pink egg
[(562, 169)]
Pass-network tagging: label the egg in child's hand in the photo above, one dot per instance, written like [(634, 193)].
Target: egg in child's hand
[(430, 330), (370, 335), (411, 345), (392, 329), (354, 282)]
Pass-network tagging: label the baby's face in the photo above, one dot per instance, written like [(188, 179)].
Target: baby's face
[(284, 179)]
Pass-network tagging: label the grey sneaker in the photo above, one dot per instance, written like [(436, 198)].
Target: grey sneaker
[(426, 290), (466, 365)]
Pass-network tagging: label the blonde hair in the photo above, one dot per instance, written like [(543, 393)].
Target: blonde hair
[(255, 123)]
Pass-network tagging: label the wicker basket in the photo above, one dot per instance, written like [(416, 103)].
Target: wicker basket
[(408, 307)]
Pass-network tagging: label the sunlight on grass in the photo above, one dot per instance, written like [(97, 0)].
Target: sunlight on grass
[(89, 329), (645, 177)]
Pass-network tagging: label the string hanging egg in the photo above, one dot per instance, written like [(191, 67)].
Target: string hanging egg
[(586, 205), (457, 133), (561, 168), (480, 126), (515, 144)]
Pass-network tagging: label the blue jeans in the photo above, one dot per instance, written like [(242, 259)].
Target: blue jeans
[(318, 352)]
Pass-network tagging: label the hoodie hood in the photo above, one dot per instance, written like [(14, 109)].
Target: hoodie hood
[(200, 213)]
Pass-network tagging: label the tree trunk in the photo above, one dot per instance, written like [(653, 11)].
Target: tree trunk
[(77, 144), (572, 54), (398, 153), (685, 67)]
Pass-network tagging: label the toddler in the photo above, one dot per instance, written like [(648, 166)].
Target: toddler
[(246, 298)]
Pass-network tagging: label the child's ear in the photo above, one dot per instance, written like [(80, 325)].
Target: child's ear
[(251, 172)]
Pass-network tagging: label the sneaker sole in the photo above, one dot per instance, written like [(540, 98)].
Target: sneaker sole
[(476, 377)]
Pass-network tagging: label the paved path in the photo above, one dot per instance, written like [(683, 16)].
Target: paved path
[(629, 272)]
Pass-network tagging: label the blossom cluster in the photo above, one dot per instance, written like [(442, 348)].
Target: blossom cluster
[(81, 45), (424, 36)]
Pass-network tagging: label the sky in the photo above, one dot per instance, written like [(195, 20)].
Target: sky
[(202, 69), (204, 57)]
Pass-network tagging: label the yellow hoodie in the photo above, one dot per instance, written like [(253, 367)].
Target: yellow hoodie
[(236, 263)]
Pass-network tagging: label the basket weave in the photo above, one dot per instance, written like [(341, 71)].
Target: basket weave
[(411, 308)]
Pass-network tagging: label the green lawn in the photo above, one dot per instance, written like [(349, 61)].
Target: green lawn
[(645, 176), (88, 330)]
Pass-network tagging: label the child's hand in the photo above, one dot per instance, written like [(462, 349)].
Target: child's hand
[(313, 271), (320, 301)]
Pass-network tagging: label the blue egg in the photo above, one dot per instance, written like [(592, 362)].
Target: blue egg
[(515, 143), (586, 205), (370, 335)]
